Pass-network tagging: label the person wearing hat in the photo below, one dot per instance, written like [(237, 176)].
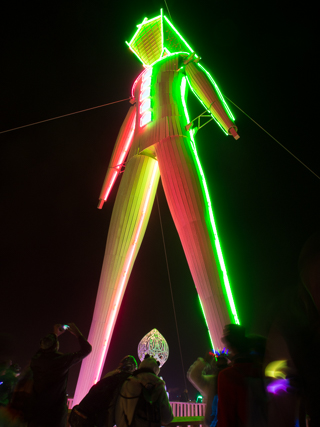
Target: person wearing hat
[(127, 364), (50, 376), (97, 407), (235, 384), (143, 382)]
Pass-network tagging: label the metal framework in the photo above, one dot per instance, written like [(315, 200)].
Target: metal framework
[(155, 345), (202, 115)]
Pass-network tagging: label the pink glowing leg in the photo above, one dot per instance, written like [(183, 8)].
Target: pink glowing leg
[(189, 209), (129, 220)]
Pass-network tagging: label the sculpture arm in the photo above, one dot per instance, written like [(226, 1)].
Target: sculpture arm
[(205, 88), (119, 154)]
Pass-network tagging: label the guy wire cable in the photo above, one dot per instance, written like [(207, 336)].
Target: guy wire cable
[(64, 115), (168, 10), (281, 145), (126, 99), (169, 278)]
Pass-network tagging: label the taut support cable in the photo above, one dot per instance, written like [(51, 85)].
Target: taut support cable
[(174, 310), (64, 115), (281, 145)]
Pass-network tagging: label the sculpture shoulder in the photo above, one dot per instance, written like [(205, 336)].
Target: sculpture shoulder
[(170, 63)]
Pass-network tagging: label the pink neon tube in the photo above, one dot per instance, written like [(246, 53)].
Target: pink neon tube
[(126, 268)]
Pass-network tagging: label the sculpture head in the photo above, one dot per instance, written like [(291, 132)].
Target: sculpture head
[(156, 38)]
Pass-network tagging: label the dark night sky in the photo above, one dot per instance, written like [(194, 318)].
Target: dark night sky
[(67, 56)]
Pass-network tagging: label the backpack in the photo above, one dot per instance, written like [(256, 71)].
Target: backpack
[(97, 408), (78, 419), (147, 413)]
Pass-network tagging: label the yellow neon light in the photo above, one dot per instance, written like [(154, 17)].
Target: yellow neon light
[(125, 271), (276, 369)]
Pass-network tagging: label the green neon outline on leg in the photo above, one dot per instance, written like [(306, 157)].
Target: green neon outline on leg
[(206, 323), (207, 196)]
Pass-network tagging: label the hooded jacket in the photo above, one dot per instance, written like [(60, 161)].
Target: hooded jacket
[(130, 392)]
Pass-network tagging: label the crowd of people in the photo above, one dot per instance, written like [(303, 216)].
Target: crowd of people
[(271, 381), (38, 397), (254, 382), (128, 395)]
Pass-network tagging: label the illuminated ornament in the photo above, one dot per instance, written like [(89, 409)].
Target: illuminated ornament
[(155, 345), (157, 139)]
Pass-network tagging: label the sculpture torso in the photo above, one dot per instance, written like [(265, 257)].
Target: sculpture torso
[(165, 105)]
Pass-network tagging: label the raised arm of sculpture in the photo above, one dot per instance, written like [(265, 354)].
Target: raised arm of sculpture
[(206, 90), (119, 154)]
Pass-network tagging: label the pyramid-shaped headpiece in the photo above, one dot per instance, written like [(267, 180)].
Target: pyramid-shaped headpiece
[(155, 38)]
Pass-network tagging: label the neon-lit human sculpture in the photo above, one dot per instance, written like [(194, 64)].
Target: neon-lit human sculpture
[(155, 345), (157, 138)]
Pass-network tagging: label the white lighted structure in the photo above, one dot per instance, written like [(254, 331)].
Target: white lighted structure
[(155, 345), (157, 139)]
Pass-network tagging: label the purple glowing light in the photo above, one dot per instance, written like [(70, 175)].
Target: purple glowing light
[(278, 385)]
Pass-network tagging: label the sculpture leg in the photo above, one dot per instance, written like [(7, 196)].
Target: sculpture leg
[(184, 191), (129, 220)]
